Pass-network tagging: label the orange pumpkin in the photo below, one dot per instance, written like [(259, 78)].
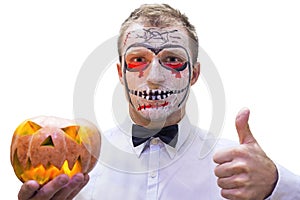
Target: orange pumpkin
[(45, 147)]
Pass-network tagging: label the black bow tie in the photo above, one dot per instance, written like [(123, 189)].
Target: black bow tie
[(168, 135)]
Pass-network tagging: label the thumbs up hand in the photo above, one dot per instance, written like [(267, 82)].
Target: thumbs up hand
[(245, 171)]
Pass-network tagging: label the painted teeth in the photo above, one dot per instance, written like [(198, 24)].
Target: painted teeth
[(155, 94)]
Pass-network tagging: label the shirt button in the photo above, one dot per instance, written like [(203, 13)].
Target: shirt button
[(153, 174), (154, 141)]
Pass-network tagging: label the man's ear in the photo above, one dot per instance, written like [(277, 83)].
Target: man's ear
[(119, 67), (195, 73)]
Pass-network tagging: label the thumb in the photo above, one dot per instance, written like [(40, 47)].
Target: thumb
[(242, 127)]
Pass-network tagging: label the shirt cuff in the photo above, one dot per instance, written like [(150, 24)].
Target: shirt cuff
[(287, 187)]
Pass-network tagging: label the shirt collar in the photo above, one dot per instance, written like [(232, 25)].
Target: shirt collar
[(184, 128)]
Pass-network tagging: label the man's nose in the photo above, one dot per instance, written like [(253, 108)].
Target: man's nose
[(156, 75)]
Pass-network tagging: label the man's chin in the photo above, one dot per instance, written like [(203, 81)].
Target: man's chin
[(155, 115)]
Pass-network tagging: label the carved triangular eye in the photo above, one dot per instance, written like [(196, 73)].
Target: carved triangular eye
[(72, 131), (28, 128), (48, 142)]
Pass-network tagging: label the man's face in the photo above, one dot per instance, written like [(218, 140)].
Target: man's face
[(156, 70)]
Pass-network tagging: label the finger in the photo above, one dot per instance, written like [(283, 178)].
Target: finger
[(236, 193), (222, 156), (224, 170), (49, 190), (28, 189), (242, 127), (77, 190), (64, 192), (229, 169), (232, 182)]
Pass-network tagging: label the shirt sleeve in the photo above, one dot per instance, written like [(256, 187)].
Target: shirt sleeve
[(287, 187)]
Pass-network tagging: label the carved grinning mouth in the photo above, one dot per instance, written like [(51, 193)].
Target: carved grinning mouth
[(155, 94)]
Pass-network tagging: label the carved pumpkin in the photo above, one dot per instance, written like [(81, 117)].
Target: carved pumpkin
[(45, 147)]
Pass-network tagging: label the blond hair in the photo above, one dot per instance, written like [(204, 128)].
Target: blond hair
[(160, 15)]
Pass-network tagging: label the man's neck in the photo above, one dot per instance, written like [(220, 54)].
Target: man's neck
[(174, 118)]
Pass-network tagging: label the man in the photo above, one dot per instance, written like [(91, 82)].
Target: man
[(156, 155)]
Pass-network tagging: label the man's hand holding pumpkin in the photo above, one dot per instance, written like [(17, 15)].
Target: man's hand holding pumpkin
[(60, 188)]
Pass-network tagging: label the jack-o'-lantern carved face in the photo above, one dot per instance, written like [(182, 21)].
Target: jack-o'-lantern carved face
[(45, 147)]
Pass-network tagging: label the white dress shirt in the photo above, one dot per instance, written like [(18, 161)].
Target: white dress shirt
[(155, 170)]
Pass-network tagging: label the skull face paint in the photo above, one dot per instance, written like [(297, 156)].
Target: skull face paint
[(156, 65)]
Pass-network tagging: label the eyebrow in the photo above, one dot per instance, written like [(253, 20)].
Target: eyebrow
[(149, 47), (155, 50)]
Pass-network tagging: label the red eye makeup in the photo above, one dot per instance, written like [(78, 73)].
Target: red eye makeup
[(138, 59)]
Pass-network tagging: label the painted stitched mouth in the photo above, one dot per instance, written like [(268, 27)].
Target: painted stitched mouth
[(148, 106), (155, 94)]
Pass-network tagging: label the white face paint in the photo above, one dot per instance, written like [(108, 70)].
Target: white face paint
[(156, 70)]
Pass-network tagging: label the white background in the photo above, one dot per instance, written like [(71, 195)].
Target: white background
[(253, 44)]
